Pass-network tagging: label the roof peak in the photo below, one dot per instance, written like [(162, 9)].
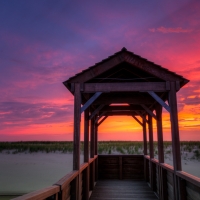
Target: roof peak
[(124, 49)]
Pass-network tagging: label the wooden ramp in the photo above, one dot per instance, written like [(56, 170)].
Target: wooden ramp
[(122, 190)]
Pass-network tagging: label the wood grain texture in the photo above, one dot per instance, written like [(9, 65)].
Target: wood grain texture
[(121, 167), (122, 190)]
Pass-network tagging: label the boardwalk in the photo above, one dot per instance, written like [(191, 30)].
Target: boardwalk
[(122, 190)]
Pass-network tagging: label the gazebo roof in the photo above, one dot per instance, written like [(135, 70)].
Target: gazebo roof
[(125, 66), (125, 78)]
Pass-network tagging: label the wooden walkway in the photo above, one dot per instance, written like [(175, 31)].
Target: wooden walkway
[(122, 190)]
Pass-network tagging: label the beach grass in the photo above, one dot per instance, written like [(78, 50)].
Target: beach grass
[(189, 149)]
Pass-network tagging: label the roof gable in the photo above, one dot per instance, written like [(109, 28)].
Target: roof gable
[(141, 69)]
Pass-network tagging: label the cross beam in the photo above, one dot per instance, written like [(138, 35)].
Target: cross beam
[(90, 101)]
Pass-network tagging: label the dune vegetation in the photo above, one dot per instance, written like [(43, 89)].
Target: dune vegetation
[(189, 149)]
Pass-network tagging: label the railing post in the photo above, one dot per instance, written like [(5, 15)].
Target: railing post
[(92, 152)]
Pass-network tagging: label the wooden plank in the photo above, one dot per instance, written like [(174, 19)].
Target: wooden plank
[(67, 179), (188, 177), (86, 184), (125, 87), (193, 192), (40, 194), (123, 99), (102, 120), (92, 175), (77, 119), (90, 101), (122, 189), (137, 120), (96, 111), (86, 135), (149, 111), (120, 167), (159, 100)]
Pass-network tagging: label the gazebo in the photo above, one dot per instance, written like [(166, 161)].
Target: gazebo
[(145, 86)]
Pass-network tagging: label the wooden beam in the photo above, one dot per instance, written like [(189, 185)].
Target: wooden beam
[(159, 100), (109, 99), (96, 111), (122, 108), (77, 118), (127, 113), (149, 111), (102, 120), (90, 101), (102, 114), (136, 119), (125, 87)]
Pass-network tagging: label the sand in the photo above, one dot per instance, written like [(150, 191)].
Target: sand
[(22, 173)]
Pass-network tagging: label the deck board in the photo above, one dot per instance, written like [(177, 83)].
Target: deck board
[(122, 190)]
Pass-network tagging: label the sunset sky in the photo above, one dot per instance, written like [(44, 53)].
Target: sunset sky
[(44, 42)]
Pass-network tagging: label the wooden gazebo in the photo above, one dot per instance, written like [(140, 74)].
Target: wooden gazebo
[(124, 78)]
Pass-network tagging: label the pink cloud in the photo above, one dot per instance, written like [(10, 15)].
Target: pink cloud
[(170, 30)]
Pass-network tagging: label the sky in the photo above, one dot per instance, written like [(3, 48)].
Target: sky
[(44, 42)]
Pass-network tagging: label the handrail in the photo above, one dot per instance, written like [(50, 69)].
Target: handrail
[(155, 161), (188, 177), (58, 186), (40, 194), (67, 179), (147, 157), (167, 167)]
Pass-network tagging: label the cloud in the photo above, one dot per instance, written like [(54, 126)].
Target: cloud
[(20, 114), (163, 29)]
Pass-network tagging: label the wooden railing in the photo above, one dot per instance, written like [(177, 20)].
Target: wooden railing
[(75, 185), (161, 178)]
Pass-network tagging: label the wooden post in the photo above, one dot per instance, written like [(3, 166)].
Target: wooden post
[(92, 139), (76, 144), (96, 150), (144, 134), (92, 152), (151, 151), (86, 155), (160, 133), (175, 136), (96, 139), (86, 135)]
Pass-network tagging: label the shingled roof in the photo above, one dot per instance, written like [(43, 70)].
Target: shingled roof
[(137, 69)]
